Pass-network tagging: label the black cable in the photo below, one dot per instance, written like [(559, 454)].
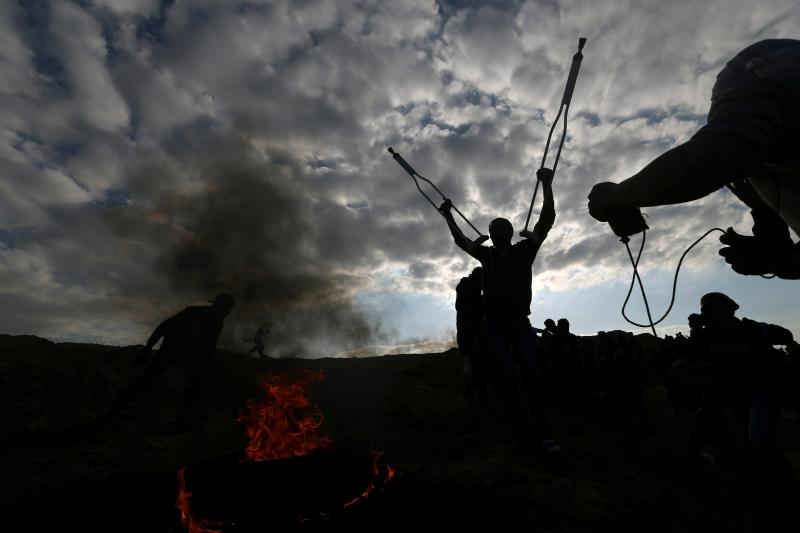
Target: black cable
[(636, 277)]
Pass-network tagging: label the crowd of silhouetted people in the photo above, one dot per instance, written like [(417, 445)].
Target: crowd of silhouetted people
[(727, 378)]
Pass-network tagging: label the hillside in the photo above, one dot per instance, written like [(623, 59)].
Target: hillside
[(456, 464)]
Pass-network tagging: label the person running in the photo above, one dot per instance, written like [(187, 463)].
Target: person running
[(189, 342), (258, 342)]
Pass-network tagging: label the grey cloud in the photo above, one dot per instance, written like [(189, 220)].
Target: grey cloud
[(169, 151)]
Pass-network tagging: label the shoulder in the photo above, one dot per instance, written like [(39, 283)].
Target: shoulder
[(528, 245), (480, 252), (753, 326)]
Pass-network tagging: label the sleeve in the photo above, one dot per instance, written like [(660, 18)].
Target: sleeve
[(528, 248), (771, 333), (751, 112), (479, 252), (165, 328)]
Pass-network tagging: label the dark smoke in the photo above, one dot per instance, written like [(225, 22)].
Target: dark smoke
[(250, 224)]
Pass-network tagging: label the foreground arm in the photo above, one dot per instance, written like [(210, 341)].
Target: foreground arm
[(744, 127), (160, 331)]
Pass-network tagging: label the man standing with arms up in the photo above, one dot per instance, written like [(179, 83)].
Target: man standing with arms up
[(507, 299)]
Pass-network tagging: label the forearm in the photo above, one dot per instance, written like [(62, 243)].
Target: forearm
[(548, 215), (779, 335), (458, 235), (687, 172), (788, 263), (153, 339), (157, 334)]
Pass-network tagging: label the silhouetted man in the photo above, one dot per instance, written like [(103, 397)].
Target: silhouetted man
[(190, 341), (507, 300), (544, 352), (570, 384), (688, 372), (746, 371), (626, 387), (470, 333), (751, 144)]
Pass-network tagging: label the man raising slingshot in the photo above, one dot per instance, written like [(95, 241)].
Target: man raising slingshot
[(507, 301)]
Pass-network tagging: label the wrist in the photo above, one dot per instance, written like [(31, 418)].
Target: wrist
[(625, 195), (787, 264)]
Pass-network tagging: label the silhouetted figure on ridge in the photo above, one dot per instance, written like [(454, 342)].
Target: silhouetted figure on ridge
[(626, 384), (190, 341), (688, 372), (470, 334), (544, 351), (747, 376), (258, 341), (507, 299), (569, 379), (750, 143)]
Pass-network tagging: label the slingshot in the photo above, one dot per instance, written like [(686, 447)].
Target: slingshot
[(416, 175), (565, 101), (564, 107)]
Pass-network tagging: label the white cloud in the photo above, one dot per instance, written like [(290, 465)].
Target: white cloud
[(140, 8)]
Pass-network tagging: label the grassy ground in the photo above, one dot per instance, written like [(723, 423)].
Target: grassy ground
[(457, 467)]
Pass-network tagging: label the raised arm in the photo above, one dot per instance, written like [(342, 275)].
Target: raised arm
[(461, 240), (548, 215)]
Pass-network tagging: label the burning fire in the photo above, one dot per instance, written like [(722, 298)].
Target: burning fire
[(284, 421)]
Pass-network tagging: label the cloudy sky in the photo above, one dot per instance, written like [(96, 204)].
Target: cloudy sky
[(155, 152)]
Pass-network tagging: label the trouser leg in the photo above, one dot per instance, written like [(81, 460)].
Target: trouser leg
[(762, 434), (524, 345), (157, 366), (199, 377), (499, 342)]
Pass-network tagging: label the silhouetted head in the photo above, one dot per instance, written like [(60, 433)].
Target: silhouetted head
[(223, 303), (477, 273), (563, 325), (550, 324), (717, 307), (501, 231), (695, 321)]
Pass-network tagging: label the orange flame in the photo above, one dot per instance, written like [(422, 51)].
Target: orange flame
[(377, 476), (189, 522), (284, 421)]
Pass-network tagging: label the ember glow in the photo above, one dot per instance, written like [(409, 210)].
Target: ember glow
[(284, 422), (189, 522), (377, 478)]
